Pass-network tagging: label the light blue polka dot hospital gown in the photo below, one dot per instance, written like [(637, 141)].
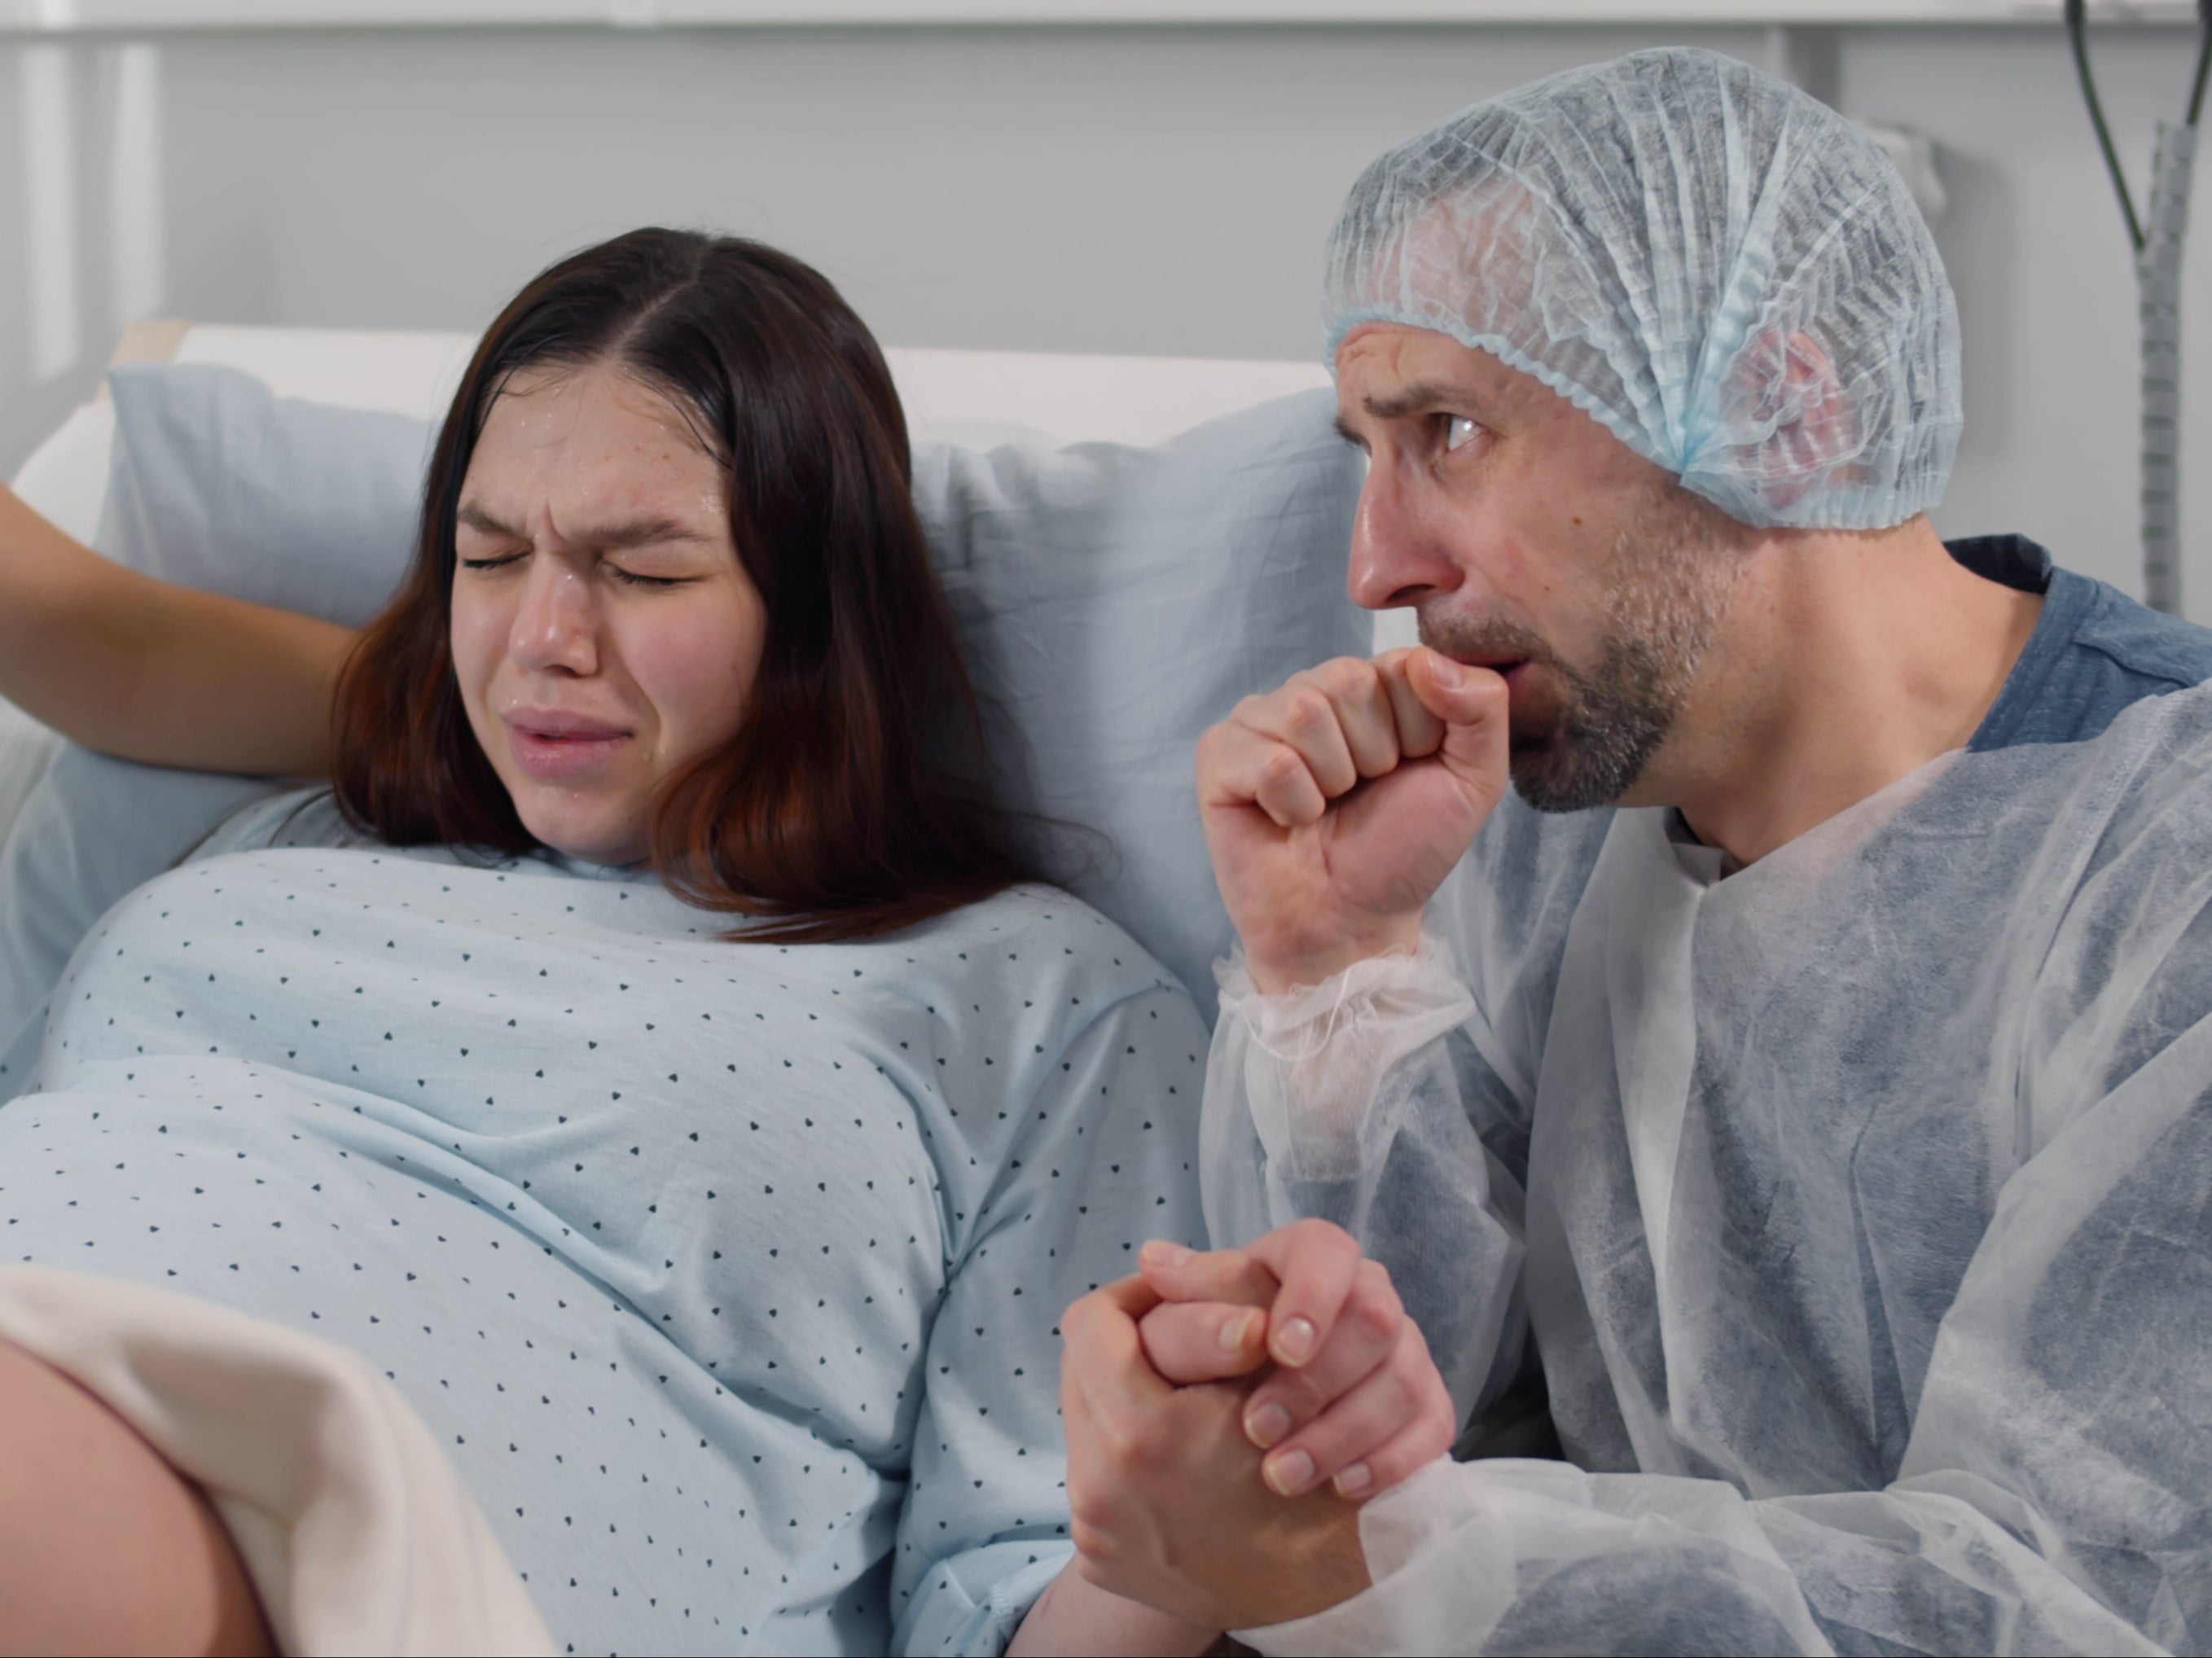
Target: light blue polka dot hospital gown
[(728, 1274)]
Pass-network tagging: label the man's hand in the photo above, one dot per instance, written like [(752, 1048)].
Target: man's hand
[(1334, 806), (1164, 1492), (1354, 1397)]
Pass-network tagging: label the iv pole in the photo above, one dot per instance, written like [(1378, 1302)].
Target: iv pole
[(2156, 239)]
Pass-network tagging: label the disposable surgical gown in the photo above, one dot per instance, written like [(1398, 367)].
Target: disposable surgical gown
[(1858, 1205)]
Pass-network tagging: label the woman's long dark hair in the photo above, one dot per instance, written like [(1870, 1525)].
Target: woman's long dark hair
[(830, 814)]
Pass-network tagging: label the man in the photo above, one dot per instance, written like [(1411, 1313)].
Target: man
[(1805, 1074)]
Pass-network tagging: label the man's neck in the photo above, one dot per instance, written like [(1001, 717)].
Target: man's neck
[(1846, 662)]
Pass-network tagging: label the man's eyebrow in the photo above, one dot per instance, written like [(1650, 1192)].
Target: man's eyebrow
[(1414, 399), (615, 537), (1421, 395)]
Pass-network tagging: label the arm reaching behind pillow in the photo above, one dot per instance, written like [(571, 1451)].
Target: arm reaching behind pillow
[(145, 671)]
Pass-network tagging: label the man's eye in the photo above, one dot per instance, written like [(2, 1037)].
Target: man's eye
[(491, 563), (631, 579), (1458, 429)]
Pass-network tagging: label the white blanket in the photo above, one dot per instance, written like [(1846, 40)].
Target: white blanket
[(357, 1535)]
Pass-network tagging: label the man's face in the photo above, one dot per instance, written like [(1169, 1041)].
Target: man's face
[(1532, 541)]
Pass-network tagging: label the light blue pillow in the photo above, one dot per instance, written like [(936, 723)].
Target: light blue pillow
[(1112, 603)]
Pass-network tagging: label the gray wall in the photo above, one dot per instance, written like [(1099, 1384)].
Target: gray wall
[(1149, 190)]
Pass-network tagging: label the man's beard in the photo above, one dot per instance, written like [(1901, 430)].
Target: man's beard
[(1670, 577)]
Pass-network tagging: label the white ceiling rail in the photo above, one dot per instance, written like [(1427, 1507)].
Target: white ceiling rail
[(72, 16)]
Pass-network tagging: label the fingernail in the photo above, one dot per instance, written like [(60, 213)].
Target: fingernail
[(1237, 1326), (1294, 1342), (1447, 670), (1264, 1426), (1160, 1253), (1354, 1479), (1289, 1473)]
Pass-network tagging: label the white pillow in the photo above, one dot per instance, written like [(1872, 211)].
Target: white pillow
[(1112, 603)]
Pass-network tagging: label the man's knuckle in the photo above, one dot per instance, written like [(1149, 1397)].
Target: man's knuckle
[(1433, 1437), (1304, 713), (1433, 1402), (1281, 765), (1116, 1443), (1413, 1338), (1347, 677), (1377, 1321), (1374, 1280), (1297, 1391), (1324, 1240), (1407, 1388)]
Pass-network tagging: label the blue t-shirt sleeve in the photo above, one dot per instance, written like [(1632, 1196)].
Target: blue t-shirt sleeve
[(2093, 651)]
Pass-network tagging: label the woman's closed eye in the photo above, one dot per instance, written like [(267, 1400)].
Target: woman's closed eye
[(633, 578), (629, 577)]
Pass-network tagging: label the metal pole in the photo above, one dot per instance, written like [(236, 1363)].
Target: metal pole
[(2158, 287)]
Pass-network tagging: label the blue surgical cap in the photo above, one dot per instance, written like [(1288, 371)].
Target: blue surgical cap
[(1723, 272)]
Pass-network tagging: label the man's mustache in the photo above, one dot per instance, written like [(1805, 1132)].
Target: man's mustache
[(1484, 639)]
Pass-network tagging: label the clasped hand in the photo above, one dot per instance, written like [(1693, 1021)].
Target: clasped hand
[(1226, 1414)]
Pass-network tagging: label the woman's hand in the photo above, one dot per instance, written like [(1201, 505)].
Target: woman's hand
[(1164, 1492), (146, 670)]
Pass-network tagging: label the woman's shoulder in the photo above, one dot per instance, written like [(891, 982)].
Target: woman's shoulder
[(307, 817)]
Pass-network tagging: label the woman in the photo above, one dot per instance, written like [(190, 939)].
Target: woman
[(643, 1054)]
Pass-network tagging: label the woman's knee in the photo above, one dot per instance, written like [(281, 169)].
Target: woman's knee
[(104, 1547)]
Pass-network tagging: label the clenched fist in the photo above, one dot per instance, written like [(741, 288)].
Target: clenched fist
[(1335, 806)]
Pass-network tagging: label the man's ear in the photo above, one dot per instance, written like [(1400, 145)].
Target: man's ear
[(1786, 384)]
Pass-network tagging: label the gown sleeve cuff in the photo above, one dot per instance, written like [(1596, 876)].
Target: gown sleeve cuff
[(1316, 1059)]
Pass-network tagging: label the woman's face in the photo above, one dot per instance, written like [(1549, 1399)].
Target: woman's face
[(603, 633)]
